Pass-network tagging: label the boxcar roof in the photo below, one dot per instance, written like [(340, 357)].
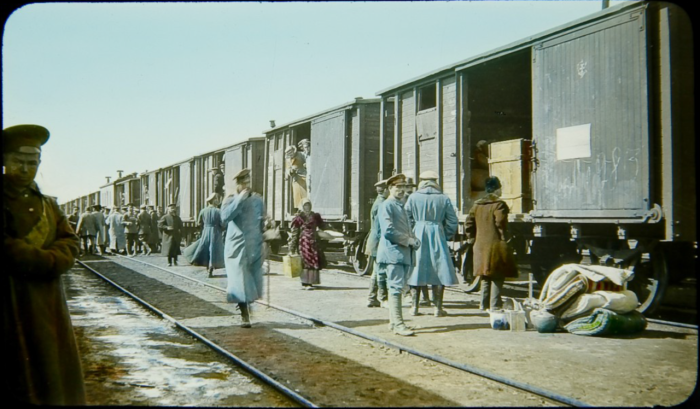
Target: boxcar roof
[(515, 46), (356, 101), (222, 149)]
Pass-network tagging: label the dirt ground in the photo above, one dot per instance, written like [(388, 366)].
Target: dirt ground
[(655, 367)]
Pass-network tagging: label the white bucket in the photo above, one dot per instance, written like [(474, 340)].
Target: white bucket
[(498, 320)]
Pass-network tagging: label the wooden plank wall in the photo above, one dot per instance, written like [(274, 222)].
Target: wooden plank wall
[(450, 157), (597, 79), (408, 134)]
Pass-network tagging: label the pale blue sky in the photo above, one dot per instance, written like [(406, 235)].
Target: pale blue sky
[(137, 86)]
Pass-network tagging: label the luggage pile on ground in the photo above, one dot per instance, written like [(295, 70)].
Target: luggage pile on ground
[(588, 300)]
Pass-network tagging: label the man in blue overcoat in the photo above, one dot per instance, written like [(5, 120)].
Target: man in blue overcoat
[(377, 286), (396, 245), (244, 214), (434, 220)]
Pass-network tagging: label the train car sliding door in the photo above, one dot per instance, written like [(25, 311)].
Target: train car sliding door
[(327, 168), (590, 121), (234, 163)]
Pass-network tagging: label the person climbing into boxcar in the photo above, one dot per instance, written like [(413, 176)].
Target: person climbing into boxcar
[(244, 215), (305, 149), (306, 223), (144, 220), (296, 172), (171, 227), (487, 229), (40, 353), (377, 283), (219, 182), (117, 232), (208, 250), (101, 238), (87, 231), (434, 220), (394, 254)]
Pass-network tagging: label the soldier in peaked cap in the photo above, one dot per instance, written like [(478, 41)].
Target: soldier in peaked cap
[(171, 226), (395, 251), (244, 215), (39, 351), (434, 220), (377, 288)]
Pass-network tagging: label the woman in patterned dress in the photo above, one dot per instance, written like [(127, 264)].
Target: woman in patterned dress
[(304, 226)]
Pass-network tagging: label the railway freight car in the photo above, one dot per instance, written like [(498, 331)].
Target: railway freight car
[(589, 125), (188, 183), (345, 145)]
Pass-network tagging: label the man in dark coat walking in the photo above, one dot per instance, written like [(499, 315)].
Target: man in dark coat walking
[(40, 354), (171, 226)]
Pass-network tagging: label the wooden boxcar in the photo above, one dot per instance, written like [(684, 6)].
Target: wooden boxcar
[(345, 165), (591, 127), (188, 183)]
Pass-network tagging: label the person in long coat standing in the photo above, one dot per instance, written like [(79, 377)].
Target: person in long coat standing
[(208, 251), (144, 220), (434, 220), (307, 222), (171, 227), (101, 228), (244, 214), (486, 227), (117, 231), (156, 235), (40, 353), (87, 230), (377, 283), (395, 251)]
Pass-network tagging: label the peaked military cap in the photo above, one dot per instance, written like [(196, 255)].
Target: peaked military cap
[(396, 179), (381, 183), (241, 174), (24, 138)]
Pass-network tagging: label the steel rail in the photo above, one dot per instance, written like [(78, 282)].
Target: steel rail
[(236, 360), (436, 358)]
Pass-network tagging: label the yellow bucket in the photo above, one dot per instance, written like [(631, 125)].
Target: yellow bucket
[(291, 266)]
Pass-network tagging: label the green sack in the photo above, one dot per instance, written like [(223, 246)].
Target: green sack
[(606, 322)]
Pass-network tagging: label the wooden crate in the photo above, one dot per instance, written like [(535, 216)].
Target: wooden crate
[(510, 162)]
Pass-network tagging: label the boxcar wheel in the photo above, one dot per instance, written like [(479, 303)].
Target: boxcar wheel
[(360, 261), (650, 280)]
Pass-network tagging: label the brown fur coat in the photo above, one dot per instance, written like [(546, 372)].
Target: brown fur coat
[(487, 223)]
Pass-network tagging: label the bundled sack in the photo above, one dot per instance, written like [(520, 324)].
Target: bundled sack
[(605, 322), (620, 302)]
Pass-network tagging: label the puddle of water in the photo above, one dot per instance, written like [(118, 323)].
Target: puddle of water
[(149, 350)]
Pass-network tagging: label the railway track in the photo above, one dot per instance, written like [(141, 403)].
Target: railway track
[(291, 393), (305, 401)]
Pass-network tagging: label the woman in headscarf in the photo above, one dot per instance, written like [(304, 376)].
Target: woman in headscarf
[(304, 226), (486, 227), (208, 251)]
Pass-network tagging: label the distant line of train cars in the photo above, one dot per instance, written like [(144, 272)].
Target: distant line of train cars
[(590, 126)]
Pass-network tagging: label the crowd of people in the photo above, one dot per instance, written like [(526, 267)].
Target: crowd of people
[(120, 230), (407, 241)]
